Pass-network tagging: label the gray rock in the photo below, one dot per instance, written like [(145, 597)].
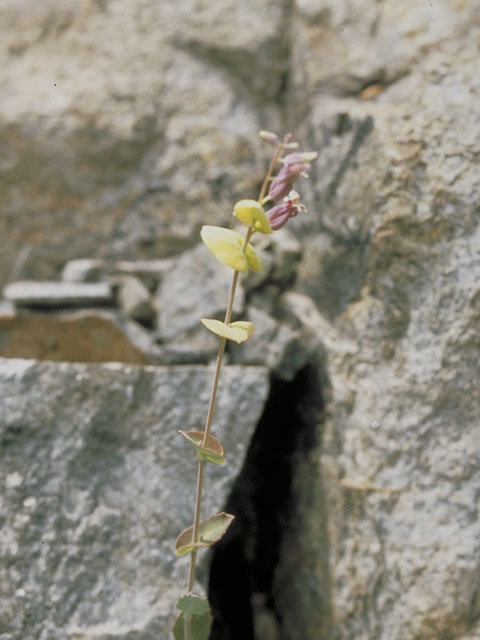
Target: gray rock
[(97, 484), (286, 251), (150, 272), (132, 147), (274, 344), (197, 286), (135, 300), (386, 519), (254, 350), (84, 270), (195, 346), (266, 298), (280, 253), (58, 294)]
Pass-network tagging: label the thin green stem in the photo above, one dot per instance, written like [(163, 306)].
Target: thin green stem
[(213, 395), (208, 422), (186, 626), (268, 177)]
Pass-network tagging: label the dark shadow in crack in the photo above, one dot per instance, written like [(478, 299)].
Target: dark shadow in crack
[(243, 562)]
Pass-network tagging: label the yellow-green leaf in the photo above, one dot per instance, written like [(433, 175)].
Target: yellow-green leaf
[(253, 261), (226, 246), (209, 531), (213, 449), (193, 604), (239, 331), (200, 626), (252, 214)]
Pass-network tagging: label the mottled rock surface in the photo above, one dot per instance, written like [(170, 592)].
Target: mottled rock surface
[(196, 286), (96, 486), (120, 123), (389, 534), (134, 299), (125, 126)]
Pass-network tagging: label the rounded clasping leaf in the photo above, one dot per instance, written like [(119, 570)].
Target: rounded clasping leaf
[(200, 626), (239, 331), (227, 246), (253, 260), (193, 604), (212, 451), (209, 531), (252, 214)]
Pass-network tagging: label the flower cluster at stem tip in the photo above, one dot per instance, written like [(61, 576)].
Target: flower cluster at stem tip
[(294, 165), (236, 251)]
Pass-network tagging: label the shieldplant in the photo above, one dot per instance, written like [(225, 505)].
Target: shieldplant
[(235, 251)]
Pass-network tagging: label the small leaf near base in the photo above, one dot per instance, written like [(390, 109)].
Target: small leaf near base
[(209, 531), (211, 452), (199, 626), (190, 603)]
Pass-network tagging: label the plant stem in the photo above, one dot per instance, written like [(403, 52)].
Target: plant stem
[(208, 421), (213, 394), (278, 153)]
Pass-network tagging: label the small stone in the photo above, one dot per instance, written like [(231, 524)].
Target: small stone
[(134, 299), (14, 480), (29, 293), (150, 272), (83, 270)]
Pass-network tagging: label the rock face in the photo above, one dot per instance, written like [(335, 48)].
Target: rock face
[(390, 533), (55, 294), (139, 128), (97, 484), (120, 124)]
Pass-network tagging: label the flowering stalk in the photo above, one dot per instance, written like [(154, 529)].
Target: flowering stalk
[(235, 251), (208, 422)]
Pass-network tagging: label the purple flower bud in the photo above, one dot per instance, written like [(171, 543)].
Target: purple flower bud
[(296, 169), (281, 213), (299, 156), (283, 181), (269, 137), (279, 187)]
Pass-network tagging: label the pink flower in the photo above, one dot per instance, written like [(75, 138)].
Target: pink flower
[(299, 156), (280, 185), (294, 164), (281, 213)]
